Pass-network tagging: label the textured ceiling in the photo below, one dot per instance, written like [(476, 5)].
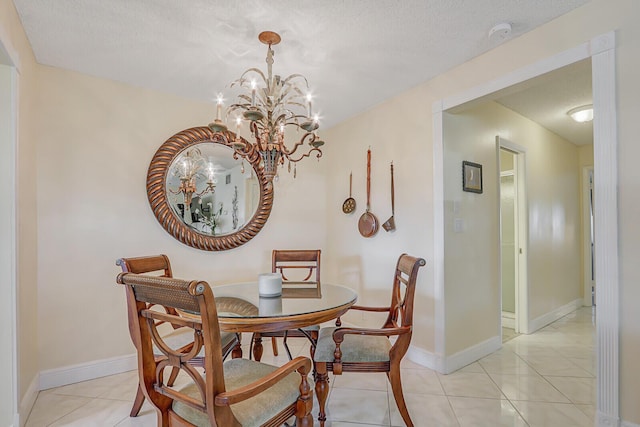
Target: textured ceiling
[(355, 53)]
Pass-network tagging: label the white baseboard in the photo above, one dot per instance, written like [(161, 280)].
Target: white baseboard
[(87, 371), (424, 358), (27, 402), (508, 320), (471, 354), (624, 424), (552, 316), (447, 365)]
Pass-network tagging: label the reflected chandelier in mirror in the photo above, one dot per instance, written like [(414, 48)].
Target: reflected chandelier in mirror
[(206, 194)]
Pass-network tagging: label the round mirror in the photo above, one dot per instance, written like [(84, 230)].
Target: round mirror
[(205, 194)]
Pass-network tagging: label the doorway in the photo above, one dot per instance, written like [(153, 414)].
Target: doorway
[(513, 232), (601, 51), (508, 236)]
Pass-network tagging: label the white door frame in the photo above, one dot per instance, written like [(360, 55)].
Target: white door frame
[(601, 50), (522, 232), (8, 233), (587, 261)]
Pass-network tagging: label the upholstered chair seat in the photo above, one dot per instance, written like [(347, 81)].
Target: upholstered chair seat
[(355, 348), (182, 337), (255, 411)]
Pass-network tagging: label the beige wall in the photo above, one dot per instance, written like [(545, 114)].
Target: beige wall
[(15, 42), (472, 268), (396, 131), (97, 139)]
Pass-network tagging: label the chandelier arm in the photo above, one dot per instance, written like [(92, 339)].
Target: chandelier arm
[(307, 154), (288, 153), (205, 191)]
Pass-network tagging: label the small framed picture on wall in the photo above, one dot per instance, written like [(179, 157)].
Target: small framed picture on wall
[(471, 177)]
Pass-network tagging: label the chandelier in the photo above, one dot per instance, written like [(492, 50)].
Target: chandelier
[(270, 109)]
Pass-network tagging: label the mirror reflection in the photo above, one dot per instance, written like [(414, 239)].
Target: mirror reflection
[(210, 191)]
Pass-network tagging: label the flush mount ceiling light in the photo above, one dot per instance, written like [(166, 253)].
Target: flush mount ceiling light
[(582, 114)]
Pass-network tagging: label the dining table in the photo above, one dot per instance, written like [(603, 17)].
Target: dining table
[(241, 308)]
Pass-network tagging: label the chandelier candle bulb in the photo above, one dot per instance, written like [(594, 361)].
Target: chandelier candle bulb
[(253, 93), (270, 284), (219, 108)]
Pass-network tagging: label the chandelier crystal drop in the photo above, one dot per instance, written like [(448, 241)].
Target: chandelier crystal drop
[(272, 106)]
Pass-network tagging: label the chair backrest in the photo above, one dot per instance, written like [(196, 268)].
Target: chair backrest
[(193, 296), (402, 296), (146, 265), (297, 266)]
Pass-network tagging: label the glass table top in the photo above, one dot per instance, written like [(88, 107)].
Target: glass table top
[(242, 300)]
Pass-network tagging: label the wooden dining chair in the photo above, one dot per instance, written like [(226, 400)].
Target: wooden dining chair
[(344, 349), (299, 267), (179, 337), (238, 392)]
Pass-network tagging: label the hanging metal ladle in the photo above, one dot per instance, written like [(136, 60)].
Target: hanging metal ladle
[(349, 205), (390, 224)]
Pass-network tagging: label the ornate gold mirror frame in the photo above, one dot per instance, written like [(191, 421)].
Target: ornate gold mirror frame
[(159, 201)]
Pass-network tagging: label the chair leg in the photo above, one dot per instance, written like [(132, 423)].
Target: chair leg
[(236, 353), (274, 346), (322, 390), (286, 346), (137, 402), (396, 386), (255, 348), (172, 377)]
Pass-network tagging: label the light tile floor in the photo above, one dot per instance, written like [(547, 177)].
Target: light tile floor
[(544, 379)]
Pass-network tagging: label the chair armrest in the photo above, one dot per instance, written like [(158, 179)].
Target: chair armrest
[(363, 308), (300, 364), (338, 334)]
